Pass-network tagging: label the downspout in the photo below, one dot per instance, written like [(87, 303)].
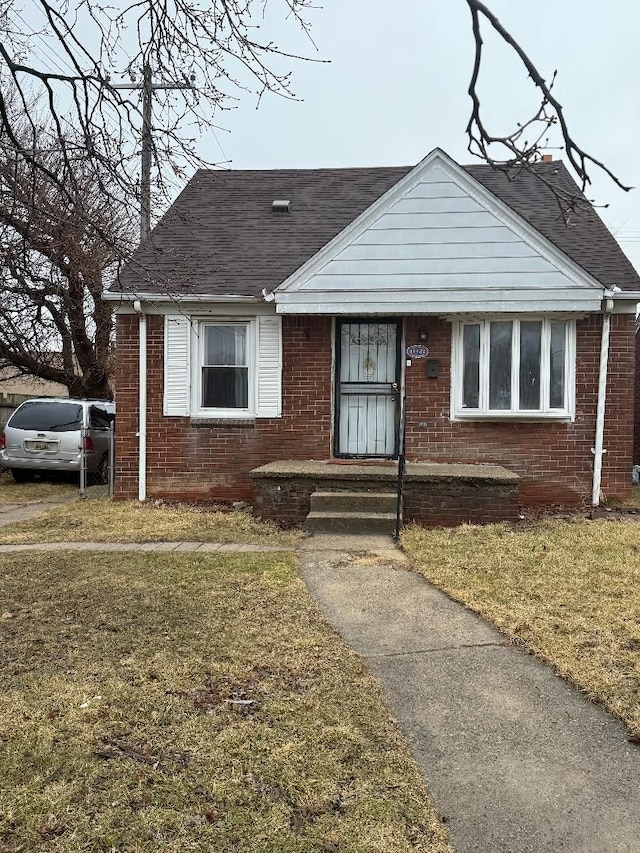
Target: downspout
[(142, 401), (598, 448)]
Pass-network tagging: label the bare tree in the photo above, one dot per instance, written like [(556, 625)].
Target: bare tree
[(523, 146), (57, 245), (227, 45), (219, 42)]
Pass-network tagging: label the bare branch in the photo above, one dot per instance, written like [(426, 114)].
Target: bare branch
[(520, 151)]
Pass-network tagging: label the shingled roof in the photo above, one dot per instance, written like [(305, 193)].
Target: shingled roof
[(221, 237)]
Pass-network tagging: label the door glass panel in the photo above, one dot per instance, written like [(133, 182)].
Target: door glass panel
[(500, 365), (557, 365), (530, 350), (368, 352), (471, 368)]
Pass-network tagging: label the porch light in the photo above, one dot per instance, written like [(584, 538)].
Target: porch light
[(422, 335)]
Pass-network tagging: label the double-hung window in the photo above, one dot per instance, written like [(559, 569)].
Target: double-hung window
[(519, 367), (225, 381)]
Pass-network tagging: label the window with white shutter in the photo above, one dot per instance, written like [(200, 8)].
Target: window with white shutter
[(234, 365), (269, 367), (177, 365)]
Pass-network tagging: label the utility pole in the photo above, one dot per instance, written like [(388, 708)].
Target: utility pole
[(148, 87)]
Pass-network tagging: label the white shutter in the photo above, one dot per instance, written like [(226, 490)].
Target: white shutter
[(177, 365), (269, 367)]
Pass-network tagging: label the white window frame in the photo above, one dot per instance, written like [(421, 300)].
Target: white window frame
[(197, 347), (461, 413)]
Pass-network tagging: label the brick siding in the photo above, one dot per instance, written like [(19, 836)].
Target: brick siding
[(203, 462), (200, 461), (553, 459)]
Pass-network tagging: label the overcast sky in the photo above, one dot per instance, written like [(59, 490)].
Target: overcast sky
[(393, 86), (396, 87)]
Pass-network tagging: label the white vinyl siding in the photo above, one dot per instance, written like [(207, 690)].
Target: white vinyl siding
[(516, 367), (436, 237)]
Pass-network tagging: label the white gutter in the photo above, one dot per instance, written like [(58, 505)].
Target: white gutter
[(142, 402), (177, 298), (598, 450)]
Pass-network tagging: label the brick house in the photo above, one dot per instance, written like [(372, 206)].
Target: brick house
[(278, 327)]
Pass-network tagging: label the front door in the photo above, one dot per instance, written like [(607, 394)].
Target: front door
[(367, 383)]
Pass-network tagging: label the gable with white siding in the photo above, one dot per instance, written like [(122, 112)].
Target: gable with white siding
[(436, 242)]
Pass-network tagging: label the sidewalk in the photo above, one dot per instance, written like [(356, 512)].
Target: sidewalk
[(10, 513), (515, 758), (164, 547)]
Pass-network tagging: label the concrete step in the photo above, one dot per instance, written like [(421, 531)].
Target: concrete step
[(350, 522), (356, 502)]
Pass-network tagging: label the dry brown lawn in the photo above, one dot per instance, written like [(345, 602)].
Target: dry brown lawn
[(568, 591), (30, 493), (191, 703), (105, 520)]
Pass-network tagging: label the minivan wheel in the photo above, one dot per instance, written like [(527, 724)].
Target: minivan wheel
[(23, 475)]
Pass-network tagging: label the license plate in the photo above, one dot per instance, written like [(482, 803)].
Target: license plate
[(41, 445)]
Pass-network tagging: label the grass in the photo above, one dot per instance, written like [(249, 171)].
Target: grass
[(565, 590), (191, 703), (30, 493), (104, 520), (629, 503)]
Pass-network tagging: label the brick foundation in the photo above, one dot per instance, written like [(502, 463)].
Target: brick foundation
[(432, 498)]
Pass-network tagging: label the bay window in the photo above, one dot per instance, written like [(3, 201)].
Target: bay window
[(516, 367)]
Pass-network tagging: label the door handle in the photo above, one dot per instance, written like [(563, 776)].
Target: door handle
[(394, 386)]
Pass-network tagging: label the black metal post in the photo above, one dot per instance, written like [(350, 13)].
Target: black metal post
[(402, 465)]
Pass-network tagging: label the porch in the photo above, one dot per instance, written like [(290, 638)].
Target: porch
[(434, 494)]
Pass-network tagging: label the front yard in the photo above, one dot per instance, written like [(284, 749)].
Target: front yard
[(199, 702), (567, 591), (105, 520), (191, 703)]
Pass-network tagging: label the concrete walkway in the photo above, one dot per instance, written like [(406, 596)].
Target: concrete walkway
[(10, 513), (514, 758)]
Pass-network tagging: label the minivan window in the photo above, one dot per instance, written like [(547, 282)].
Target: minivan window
[(45, 416), (99, 418)]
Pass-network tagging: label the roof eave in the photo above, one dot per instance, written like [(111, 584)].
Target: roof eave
[(114, 296)]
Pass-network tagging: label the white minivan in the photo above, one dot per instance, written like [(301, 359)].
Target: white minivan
[(47, 434)]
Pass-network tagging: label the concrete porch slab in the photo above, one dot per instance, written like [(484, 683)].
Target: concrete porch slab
[(362, 471)]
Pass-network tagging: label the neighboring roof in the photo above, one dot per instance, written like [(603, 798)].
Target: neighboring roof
[(221, 236)]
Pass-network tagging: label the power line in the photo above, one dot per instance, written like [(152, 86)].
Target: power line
[(46, 49), (148, 87)]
